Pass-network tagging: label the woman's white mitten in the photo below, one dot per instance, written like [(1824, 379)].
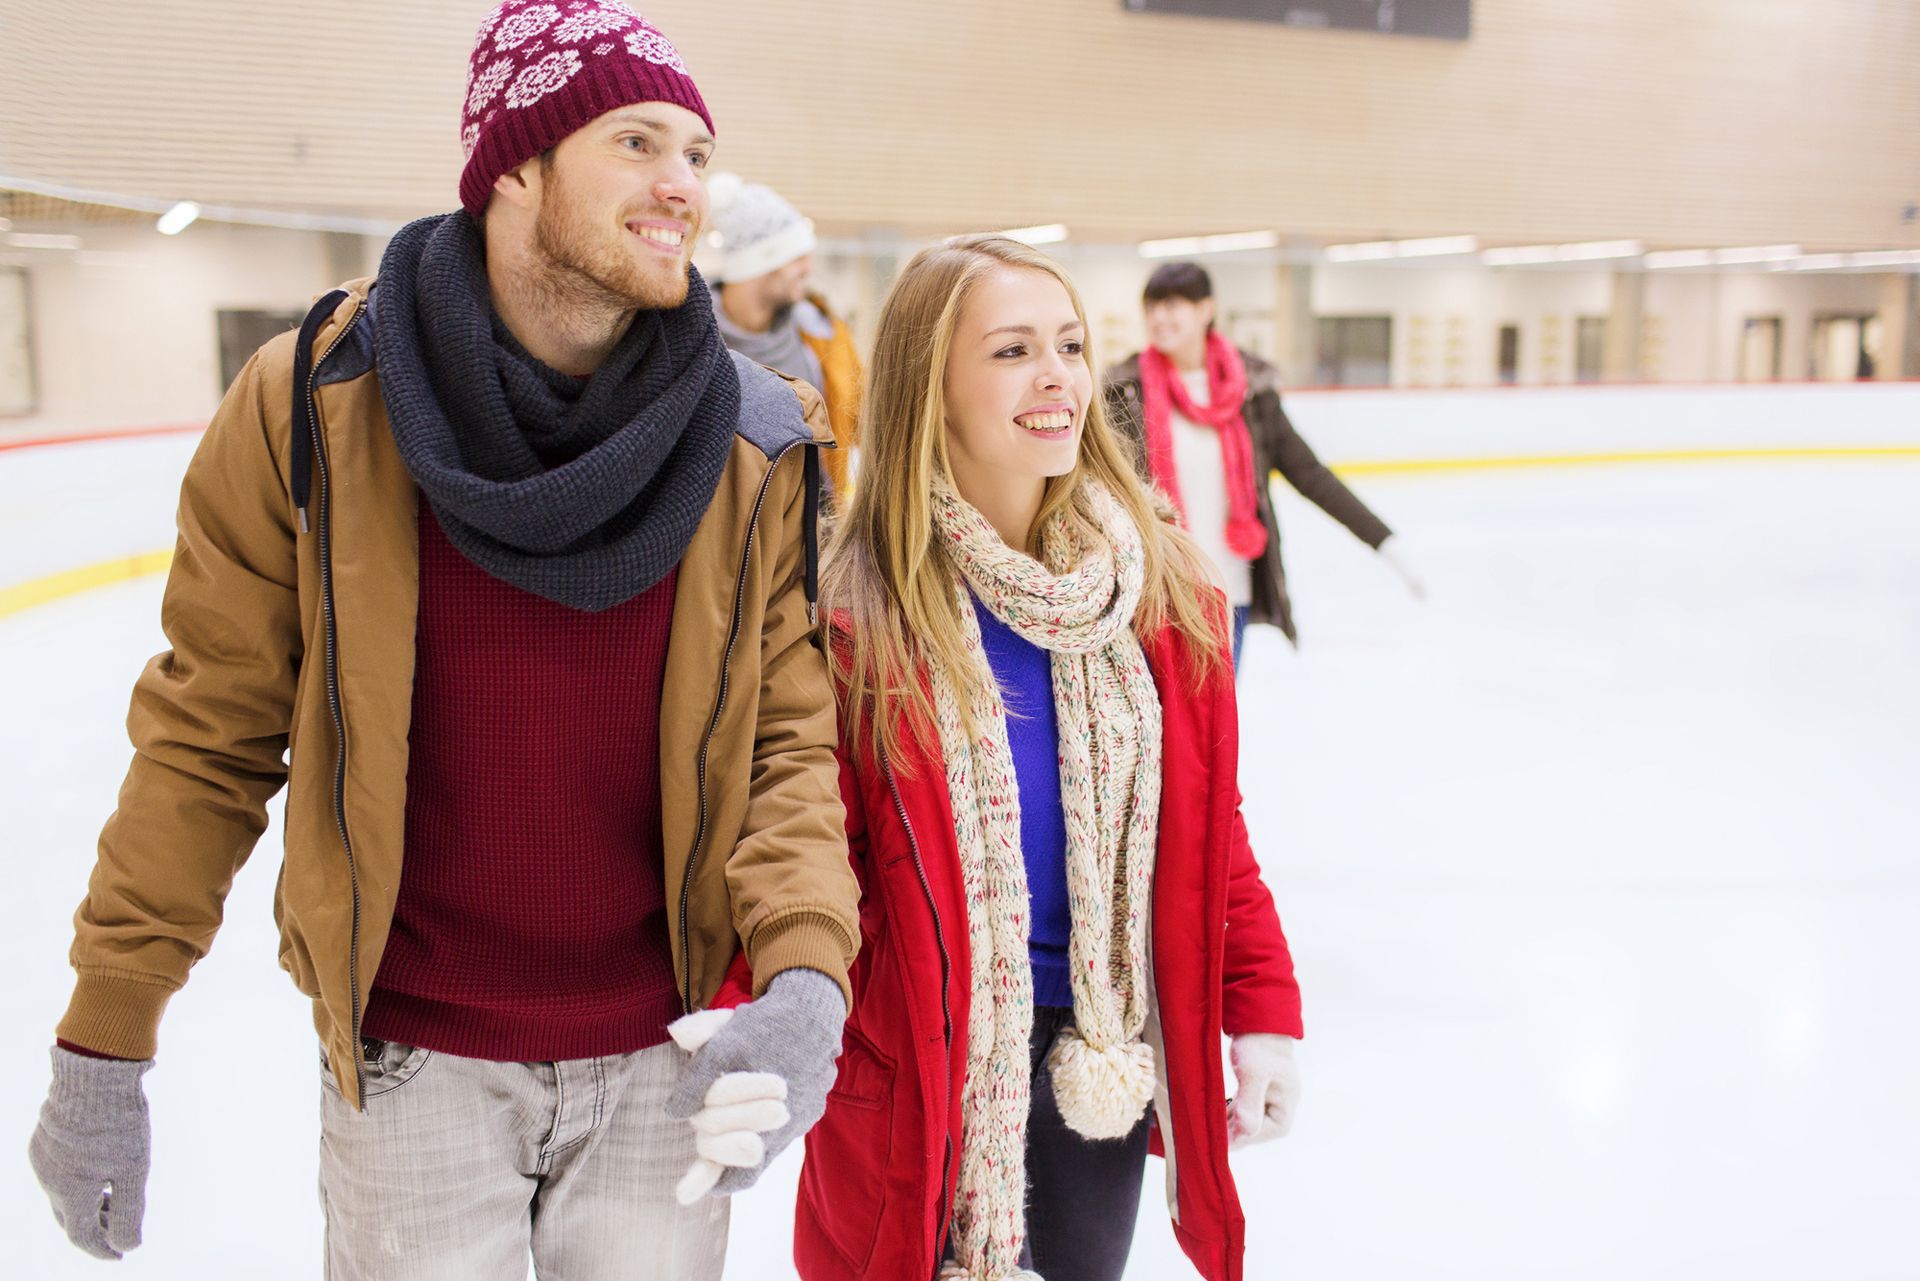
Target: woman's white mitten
[(1269, 1092)]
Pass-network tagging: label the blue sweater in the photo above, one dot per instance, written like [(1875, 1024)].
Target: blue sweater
[(1025, 675)]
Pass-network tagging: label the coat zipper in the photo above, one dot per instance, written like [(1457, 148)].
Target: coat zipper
[(333, 694), (713, 724), (946, 1011)]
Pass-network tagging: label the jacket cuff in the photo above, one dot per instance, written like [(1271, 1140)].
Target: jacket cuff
[(1277, 1013), (115, 1015), (802, 941)]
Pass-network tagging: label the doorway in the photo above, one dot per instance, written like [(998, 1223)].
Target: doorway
[(1845, 347), (1760, 350), (1354, 351), (1509, 355), (17, 395), (1590, 349)]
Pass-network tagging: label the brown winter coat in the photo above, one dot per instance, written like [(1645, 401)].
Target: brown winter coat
[(1276, 447), (292, 664)]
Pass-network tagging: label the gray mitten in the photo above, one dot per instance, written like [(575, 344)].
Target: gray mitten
[(90, 1151), (758, 1080)]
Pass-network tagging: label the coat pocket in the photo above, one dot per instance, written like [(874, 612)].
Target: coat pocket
[(844, 1181)]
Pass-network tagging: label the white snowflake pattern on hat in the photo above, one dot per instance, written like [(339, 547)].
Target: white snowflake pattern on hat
[(590, 23), (543, 77), (486, 27), (487, 84), (469, 139), (655, 48), (525, 25)]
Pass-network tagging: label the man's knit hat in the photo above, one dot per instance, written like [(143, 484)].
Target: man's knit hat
[(540, 71), (754, 231)]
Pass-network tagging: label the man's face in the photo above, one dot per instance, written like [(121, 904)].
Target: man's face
[(621, 204), (784, 286)]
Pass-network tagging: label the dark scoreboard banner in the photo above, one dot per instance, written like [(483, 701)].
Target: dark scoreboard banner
[(1450, 19)]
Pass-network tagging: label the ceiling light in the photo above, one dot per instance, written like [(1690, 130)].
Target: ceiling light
[(1519, 256), (1885, 258), (1757, 253), (1185, 246), (1583, 251), (1369, 251), (1048, 233), (1668, 258), (1435, 246), (1380, 250), (1595, 249), (34, 240), (177, 219)]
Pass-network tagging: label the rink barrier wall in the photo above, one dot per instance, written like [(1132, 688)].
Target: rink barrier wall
[(74, 582)]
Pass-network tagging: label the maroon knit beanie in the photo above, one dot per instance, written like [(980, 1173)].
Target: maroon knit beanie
[(540, 71)]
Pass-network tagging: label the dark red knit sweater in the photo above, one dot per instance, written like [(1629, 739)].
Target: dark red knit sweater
[(531, 923)]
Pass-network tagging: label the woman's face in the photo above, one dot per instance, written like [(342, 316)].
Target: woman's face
[(1177, 327), (1017, 385)]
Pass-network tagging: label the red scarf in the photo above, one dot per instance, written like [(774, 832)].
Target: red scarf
[(1163, 390)]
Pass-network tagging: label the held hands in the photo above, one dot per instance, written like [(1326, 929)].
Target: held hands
[(1390, 552), (758, 1080), (91, 1151), (1269, 1092)]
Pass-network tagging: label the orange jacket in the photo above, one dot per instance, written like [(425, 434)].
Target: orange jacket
[(841, 373)]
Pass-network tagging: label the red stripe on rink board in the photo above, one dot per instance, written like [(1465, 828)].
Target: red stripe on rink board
[(177, 429), (115, 433), (181, 429), (1318, 389)]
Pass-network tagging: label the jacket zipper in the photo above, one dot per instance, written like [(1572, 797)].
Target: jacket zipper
[(333, 694), (946, 1011), (713, 724)]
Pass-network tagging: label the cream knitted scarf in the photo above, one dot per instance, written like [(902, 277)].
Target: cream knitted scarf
[(1078, 603)]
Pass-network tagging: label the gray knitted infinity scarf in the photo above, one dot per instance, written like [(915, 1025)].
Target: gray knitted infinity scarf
[(583, 490)]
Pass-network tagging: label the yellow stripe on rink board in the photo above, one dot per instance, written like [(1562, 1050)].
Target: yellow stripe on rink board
[(72, 582), (1415, 466)]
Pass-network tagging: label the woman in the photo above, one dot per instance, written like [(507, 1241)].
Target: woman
[(1060, 908), (1205, 423)]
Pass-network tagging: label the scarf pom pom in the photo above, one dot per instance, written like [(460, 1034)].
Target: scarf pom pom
[(1102, 1093)]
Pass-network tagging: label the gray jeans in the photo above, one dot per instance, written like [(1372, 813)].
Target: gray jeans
[(460, 1169)]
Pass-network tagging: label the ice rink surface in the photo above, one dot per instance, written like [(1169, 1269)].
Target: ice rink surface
[(1599, 865)]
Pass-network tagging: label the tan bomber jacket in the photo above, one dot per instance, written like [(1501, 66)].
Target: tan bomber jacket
[(291, 663)]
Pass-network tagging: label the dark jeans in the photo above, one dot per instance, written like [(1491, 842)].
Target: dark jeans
[(1083, 1194), (1240, 613)]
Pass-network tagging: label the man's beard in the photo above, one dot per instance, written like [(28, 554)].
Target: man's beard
[(583, 264)]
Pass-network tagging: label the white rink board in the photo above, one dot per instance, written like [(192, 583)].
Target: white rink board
[(1598, 865)]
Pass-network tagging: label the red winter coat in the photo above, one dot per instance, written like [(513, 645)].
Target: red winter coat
[(877, 1186)]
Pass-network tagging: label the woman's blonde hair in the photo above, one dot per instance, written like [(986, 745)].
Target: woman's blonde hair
[(888, 583)]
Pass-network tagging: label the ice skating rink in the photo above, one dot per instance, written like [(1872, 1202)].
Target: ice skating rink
[(1600, 864)]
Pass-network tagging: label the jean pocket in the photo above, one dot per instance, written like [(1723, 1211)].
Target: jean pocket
[(385, 1066)]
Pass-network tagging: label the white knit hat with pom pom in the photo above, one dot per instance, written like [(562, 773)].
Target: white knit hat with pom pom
[(752, 231)]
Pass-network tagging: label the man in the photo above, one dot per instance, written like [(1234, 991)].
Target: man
[(1207, 426), (506, 555), (759, 256)]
